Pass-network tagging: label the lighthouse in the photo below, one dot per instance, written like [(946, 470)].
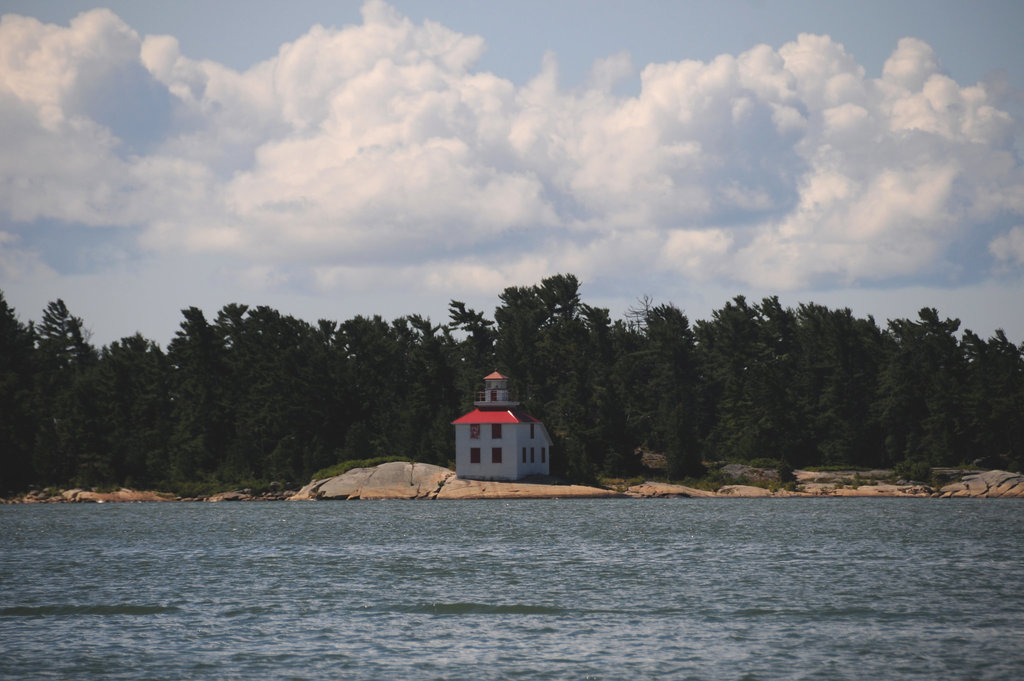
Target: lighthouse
[(498, 440)]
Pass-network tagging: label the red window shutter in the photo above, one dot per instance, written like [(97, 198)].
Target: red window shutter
[(474, 455), (496, 455)]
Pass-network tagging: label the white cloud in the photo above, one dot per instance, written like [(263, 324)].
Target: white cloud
[(607, 72), (1009, 247), (18, 264), (376, 151), (697, 254), (911, 65)]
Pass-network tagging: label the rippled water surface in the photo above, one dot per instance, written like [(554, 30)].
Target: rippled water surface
[(532, 589)]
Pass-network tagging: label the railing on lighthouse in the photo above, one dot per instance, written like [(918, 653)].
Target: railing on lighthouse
[(495, 393)]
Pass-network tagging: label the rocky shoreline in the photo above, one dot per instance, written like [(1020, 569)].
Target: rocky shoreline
[(401, 480)]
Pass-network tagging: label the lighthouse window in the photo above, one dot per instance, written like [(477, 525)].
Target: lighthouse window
[(474, 455), (524, 454), (474, 431), (496, 455), (495, 431), (543, 454), (531, 454), (531, 431)]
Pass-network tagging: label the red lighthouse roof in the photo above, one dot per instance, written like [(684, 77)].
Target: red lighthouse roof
[(495, 416), (495, 376)]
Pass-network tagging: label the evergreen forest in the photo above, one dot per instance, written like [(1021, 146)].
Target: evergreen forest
[(254, 395)]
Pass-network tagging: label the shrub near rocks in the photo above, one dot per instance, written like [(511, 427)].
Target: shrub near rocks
[(345, 466), (919, 471)]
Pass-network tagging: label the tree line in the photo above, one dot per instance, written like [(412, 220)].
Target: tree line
[(254, 395)]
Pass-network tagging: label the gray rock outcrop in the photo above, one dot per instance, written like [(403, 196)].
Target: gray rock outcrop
[(745, 491), (738, 471), (232, 495), (884, 490), (400, 480), (990, 484), (394, 480), (658, 490), (79, 496), (459, 488)]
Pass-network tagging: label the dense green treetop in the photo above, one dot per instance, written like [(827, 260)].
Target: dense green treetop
[(254, 395)]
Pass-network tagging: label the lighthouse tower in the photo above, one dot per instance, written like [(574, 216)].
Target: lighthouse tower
[(498, 440)]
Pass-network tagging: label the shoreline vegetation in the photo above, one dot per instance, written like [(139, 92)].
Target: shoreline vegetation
[(252, 395), (408, 480)]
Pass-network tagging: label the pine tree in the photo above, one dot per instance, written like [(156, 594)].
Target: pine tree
[(921, 392), (69, 440), (17, 417), (134, 377), (202, 426)]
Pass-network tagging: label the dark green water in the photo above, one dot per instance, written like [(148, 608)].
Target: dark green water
[(532, 589)]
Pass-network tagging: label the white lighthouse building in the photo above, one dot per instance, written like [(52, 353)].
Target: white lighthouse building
[(498, 440)]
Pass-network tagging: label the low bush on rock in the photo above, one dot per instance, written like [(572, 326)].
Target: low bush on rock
[(345, 466), (920, 471)]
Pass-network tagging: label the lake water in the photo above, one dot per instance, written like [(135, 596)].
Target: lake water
[(528, 589)]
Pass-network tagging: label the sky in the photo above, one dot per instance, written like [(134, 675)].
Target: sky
[(334, 158)]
